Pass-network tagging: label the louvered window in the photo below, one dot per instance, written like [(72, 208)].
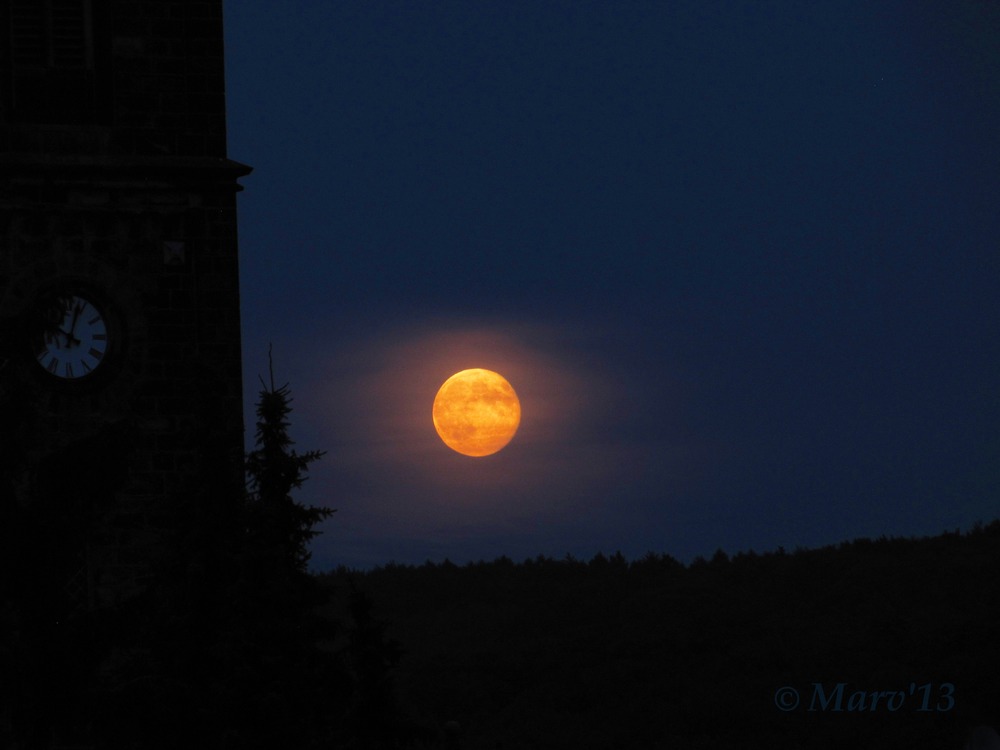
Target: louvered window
[(53, 70), (50, 34)]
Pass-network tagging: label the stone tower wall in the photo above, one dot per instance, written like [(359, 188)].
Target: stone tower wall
[(146, 77), (123, 189)]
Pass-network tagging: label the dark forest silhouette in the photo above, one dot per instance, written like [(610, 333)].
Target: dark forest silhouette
[(655, 654), (232, 643)]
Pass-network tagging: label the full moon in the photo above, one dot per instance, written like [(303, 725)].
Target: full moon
[(476, 412)]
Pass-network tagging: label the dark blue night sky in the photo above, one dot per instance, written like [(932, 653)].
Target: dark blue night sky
[(738, 259)]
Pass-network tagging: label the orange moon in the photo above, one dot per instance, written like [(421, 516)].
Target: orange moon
[(476, 412)]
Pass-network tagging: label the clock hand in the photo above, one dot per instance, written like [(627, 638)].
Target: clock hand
[(69, 337), (72, 327)]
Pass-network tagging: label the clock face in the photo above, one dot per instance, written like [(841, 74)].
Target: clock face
[(78, 347)]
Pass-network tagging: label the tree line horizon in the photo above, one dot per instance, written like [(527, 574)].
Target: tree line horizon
[(616, 558)]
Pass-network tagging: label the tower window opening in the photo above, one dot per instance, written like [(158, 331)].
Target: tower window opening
[(50, 63), (50, 34)]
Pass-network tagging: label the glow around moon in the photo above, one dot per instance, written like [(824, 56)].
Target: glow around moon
[(476, 412)]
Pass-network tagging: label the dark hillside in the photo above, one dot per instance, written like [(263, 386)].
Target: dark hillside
[(651, 653)]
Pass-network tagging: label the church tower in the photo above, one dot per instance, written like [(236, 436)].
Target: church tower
[(120, 361)]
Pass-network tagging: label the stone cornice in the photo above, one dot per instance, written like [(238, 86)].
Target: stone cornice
[(74, 168)]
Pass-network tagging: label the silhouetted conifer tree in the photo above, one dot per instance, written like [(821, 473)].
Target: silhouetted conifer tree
[(275, 469), (226, 649), (333, 696), (292, 682)]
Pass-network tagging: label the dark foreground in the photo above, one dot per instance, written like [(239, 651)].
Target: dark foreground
[(890, 643)]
